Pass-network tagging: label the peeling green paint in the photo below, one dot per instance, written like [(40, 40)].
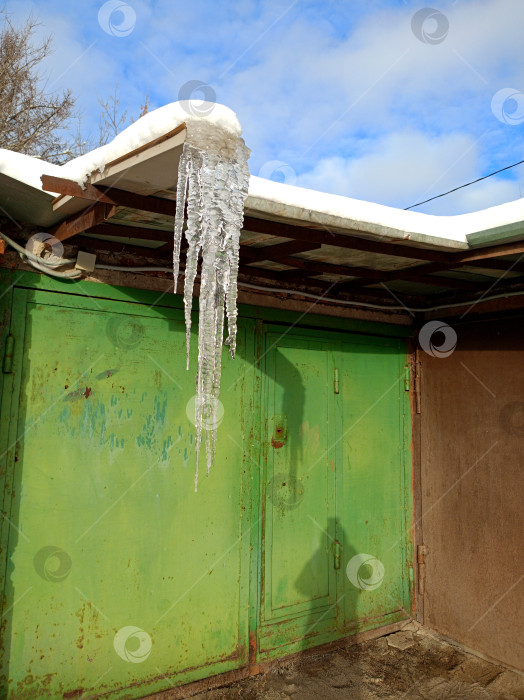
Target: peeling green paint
[(107, 480)]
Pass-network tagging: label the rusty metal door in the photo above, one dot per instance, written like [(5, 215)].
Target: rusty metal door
[(298, 578), (120, 579), (374, 515), (335, 542)]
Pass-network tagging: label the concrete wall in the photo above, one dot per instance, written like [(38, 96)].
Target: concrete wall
[(472, 473)]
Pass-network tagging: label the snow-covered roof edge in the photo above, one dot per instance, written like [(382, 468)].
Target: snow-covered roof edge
[(278, 200), (334, 211), (151, 126), (148, 128)]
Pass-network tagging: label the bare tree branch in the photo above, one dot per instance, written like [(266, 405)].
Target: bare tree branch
[(31, 120), (40, 122)]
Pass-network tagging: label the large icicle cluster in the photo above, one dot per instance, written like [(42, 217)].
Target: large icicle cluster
[(213, 181)]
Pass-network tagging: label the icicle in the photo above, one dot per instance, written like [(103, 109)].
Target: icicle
[(213, 180), (181, 189)]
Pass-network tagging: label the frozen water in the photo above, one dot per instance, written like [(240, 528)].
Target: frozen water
[(213, 180)]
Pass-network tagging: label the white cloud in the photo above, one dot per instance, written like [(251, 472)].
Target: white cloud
[(482, 195), (399, 169), (404, 168)]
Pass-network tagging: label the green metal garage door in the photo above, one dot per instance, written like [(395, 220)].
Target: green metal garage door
[(335, 551), (119, 575), (121, 581)]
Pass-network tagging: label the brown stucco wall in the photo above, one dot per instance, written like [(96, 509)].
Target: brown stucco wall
[(472, 478)]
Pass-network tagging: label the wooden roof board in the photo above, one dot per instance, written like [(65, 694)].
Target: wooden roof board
[(126, 240), (147, 171), (357, 258)]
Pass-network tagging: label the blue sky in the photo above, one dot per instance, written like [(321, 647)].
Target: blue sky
[(354, 98)]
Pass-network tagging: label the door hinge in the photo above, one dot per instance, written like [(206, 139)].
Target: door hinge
[(407, 378), (335, 381), (337, 551), (7, 365), (417, 381), (422, 550)]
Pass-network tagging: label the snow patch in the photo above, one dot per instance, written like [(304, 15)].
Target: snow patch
[(148, 128), (151, 126), (321, 208), (26, 169)]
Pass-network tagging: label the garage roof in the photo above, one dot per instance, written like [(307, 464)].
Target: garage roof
[(122, 197)]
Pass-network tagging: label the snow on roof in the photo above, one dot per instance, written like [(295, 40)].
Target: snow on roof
[(276, 200), (311, 206), (148, 128), (151, 126), (26, 169)]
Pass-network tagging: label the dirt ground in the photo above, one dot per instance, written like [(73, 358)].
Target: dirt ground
[(410, 665)]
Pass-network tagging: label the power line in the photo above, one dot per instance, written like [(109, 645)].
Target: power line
[(466, 185)]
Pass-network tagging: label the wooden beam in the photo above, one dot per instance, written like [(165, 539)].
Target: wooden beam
[(109, 195), (447, 260), (73, 189), (374, 276), (117, 247), (306, 233), (368, 276), (315, 267), (247, 253), (480, 254), (446, 282), (158, 205), (496, 264), (329, 288), (277, 275), (272, 252), (121, 230), (414, 273), (92, 216)]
